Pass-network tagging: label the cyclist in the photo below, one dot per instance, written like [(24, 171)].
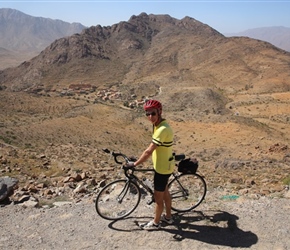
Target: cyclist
[(160, 149)]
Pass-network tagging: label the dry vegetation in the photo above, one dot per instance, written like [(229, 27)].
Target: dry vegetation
[(245, 153)]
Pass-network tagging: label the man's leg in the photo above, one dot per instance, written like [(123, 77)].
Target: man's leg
[(167, 200), (159, 205)]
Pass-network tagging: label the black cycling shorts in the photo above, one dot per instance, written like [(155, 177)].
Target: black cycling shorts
[(160, 181)]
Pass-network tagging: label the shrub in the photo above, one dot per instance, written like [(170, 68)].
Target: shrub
[(286, 181)]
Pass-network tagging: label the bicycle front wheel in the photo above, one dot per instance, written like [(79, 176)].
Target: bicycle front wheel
[(118, 199), (187, 192)]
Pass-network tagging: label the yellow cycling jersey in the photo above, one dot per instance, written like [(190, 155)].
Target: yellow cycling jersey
[(163, 160)]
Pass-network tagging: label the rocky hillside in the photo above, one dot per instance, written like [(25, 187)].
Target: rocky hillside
[(152, 49), (227, 100)]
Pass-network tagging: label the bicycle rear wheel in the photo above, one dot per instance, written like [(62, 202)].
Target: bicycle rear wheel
[(118, 199), (187, 192)]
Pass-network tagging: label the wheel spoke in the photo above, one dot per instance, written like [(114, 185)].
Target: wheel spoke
[(117, 200), (187, 192)]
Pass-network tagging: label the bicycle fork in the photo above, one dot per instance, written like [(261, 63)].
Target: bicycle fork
[(124, 191), (149, 190), (126, 188)]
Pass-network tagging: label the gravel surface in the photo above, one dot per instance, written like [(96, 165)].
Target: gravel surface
[(262, 223)]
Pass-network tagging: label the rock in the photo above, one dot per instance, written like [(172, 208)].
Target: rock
[(236, 180), (287, 194), (7, 186), (28, 201), (32, 188), (76, 177), (67, 179), (102, 183), (41, 185), (80, 189), (3, 161), (48, 192), (286, 158), (31, 203), (62, 203), (84, 176)]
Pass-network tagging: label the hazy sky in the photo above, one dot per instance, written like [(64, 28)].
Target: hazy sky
[(224, 16)]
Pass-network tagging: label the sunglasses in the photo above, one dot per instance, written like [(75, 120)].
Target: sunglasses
[(152, 113)]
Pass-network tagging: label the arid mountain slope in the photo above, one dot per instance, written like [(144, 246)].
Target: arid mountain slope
[(157, 49), (25, 36), (277, 35), (14, 58), (22, 32)]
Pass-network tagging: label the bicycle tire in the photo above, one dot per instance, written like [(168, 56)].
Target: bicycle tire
[(118, 199), (187, 192)]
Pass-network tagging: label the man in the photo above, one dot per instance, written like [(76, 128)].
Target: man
[(160, 149)]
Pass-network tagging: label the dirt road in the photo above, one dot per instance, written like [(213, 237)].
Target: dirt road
[(217, 224)]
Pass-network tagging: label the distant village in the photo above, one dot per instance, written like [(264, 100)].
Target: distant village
[(107, 94)]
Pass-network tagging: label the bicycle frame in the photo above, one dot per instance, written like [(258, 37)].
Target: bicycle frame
[(133, 177)]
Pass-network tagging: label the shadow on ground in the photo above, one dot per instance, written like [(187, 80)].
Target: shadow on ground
[(211, 227)]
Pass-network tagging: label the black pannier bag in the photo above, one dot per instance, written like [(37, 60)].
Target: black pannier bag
[(188, 165)]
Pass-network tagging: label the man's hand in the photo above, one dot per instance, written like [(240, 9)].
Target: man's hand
[(130, 164)]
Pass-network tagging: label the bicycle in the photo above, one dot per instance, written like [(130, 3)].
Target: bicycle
[(121, 197)]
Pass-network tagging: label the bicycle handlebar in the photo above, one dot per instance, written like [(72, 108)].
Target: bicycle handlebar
[(178, 157), (116, 155)]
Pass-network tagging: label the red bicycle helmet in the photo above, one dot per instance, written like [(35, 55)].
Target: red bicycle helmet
[(152, 104)]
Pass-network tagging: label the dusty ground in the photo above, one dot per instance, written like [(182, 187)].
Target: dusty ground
[(216, 224)]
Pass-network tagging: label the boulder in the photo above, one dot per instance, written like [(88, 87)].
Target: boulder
[(7, 186)]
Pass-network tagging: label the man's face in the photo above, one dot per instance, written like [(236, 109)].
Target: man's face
[(152, 115)]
